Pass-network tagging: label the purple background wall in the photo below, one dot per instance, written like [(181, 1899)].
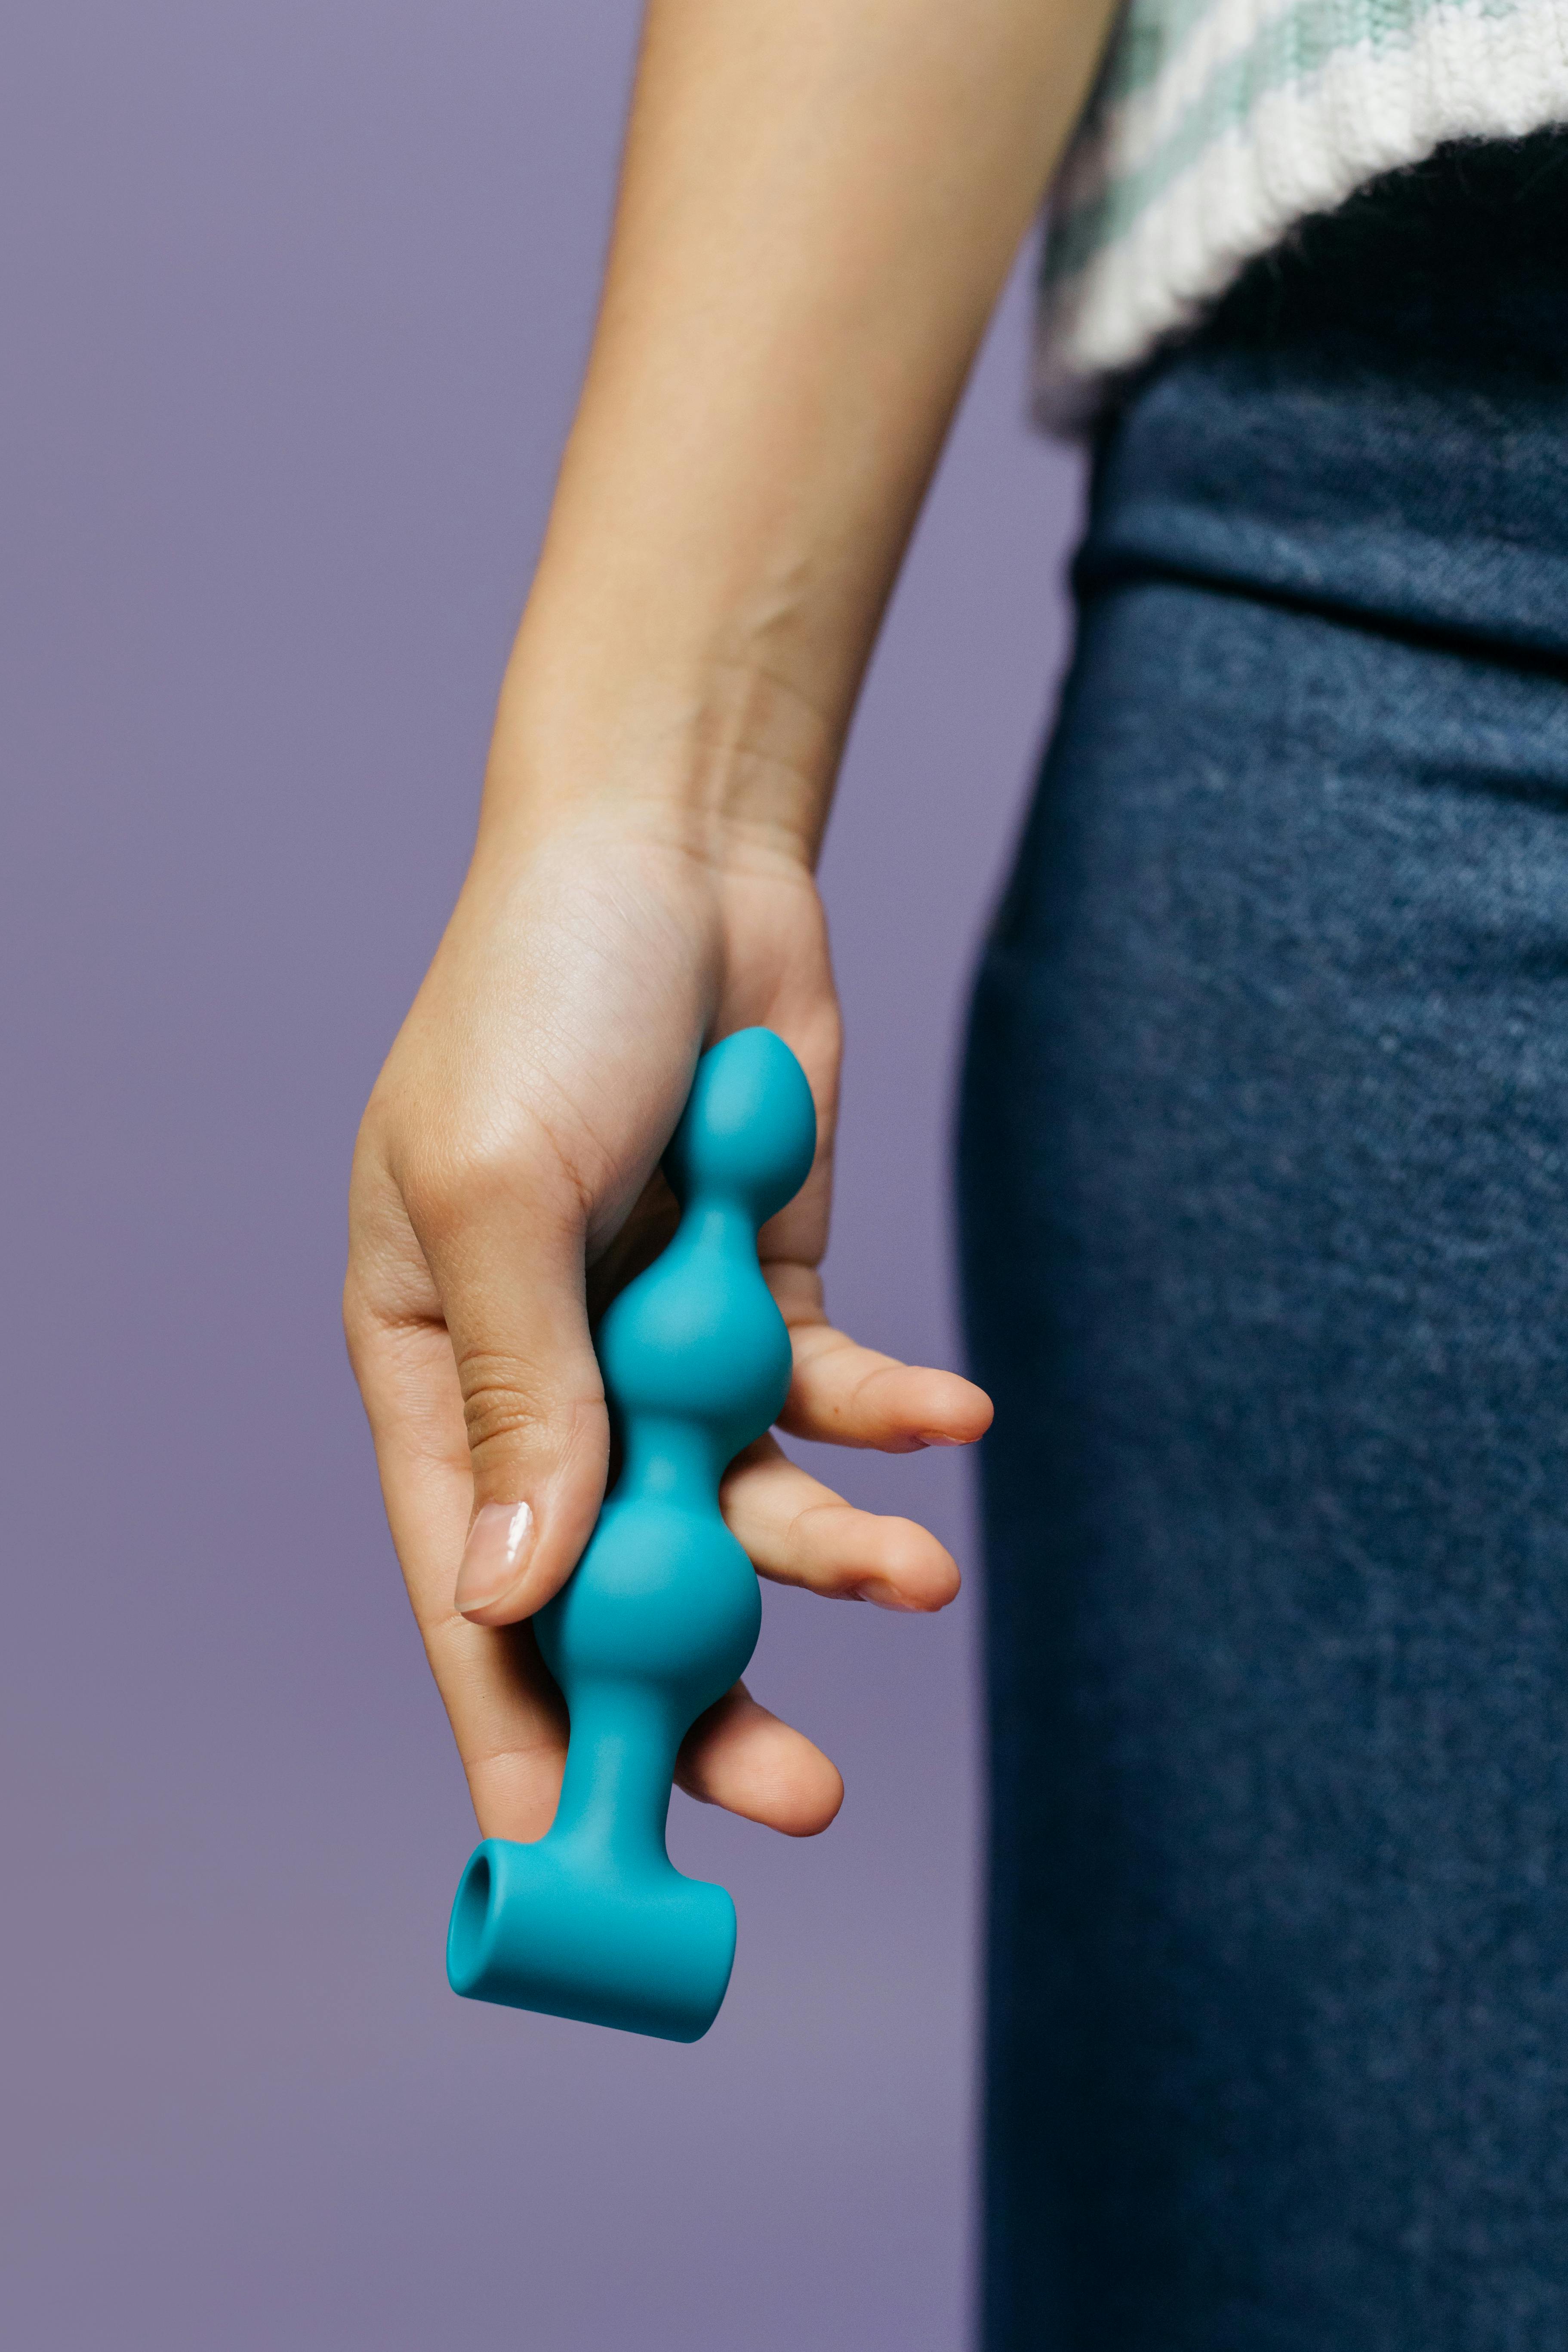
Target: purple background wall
[(291, 328)]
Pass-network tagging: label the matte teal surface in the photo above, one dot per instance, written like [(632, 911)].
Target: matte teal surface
[(593, 1921)]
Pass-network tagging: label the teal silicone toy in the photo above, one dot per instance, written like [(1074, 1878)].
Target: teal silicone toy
[(593, 1920)]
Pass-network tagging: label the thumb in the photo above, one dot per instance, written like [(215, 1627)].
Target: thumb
[(509, 1272)]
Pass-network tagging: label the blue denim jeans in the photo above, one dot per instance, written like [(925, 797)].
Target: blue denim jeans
[(1265, 1184)]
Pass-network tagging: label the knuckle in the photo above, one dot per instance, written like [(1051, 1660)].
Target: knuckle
[(503, 1407), (468, 1178), (442, 1185), (358, 1319)]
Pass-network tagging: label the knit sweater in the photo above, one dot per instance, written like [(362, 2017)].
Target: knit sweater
[(1216, 124)]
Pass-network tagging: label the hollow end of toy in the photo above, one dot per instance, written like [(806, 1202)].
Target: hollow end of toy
[(470, 1916), (548, 1927)]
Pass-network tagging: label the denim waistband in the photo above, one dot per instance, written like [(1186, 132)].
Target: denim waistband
[(1374, 422)]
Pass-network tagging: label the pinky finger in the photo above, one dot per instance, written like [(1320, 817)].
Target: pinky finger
[(741, 1757)]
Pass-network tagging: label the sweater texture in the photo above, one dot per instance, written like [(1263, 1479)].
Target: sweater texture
[(1216, 125)]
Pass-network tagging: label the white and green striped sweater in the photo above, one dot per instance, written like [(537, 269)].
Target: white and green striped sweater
[(1216, 124)]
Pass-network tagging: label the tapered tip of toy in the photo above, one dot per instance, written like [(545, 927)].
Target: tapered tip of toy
[(749, 1130), (534, 1927)]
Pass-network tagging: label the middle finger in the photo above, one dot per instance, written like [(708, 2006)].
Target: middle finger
[(798, 1531)]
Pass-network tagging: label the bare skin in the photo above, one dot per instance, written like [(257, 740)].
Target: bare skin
[(819, 204)]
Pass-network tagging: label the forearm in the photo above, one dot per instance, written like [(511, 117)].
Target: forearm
[(819, 202)]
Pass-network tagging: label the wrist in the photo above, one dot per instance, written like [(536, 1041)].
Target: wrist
[(710, 745)]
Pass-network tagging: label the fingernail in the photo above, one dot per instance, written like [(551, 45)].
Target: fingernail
[(498, 1542)]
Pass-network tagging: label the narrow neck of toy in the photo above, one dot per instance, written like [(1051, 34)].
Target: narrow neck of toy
[(717, 1220), (668, 1460), (615, 1798)]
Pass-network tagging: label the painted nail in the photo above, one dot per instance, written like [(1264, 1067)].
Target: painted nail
[(497, 1544)]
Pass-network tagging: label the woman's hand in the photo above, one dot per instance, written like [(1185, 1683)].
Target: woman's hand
[(819, 202), (507, 1164)]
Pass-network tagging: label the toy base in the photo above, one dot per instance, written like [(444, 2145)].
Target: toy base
[(538, 1927)]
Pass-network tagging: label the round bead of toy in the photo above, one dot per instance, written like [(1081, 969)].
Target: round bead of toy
[(749, 1130)]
